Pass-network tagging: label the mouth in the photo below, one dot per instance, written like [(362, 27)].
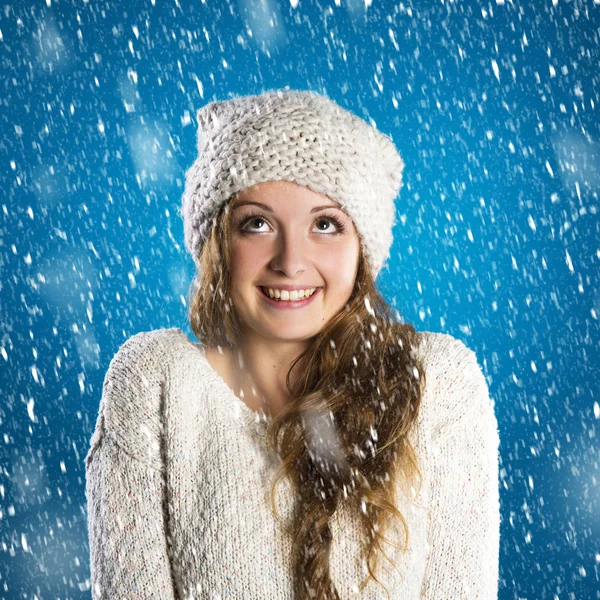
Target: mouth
[(288, 303)]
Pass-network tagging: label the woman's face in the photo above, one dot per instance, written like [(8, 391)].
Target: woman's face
[(291, 240)]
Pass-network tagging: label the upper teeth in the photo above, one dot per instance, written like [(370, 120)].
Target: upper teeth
[(287, 295)]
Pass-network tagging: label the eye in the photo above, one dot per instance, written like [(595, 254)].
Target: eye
[(248, 219), (257, 218), (335, 221)]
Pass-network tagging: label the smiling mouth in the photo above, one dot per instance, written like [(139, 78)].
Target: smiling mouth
[(266, 293)]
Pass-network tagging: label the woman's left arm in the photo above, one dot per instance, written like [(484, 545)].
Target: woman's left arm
[(464, 517)]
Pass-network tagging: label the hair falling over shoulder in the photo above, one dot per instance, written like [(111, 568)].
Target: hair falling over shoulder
[(343, 438)]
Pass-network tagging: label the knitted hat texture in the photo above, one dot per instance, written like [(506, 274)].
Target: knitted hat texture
[(297, 136)]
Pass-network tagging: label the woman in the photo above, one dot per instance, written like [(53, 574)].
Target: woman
[(310, 446)]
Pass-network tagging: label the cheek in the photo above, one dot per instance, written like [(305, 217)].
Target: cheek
[(342, 264), (245, 258)]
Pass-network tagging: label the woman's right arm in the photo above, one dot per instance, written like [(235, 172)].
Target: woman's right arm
[(125, 486)]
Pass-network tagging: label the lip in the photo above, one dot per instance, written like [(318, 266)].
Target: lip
[(290, 288), (289, 304)]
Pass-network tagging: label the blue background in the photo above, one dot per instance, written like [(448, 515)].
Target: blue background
[(494, 108)]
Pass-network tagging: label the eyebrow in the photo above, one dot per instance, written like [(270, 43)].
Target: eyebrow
[(269, 209)]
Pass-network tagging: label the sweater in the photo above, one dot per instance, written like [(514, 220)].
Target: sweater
[(178, 475)]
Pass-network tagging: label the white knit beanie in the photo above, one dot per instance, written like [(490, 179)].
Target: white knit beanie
[(297, 136)]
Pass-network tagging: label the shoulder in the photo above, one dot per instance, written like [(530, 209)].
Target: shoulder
[(142, 348), (442, 352), (148, 351), (145, 358), (456, 387), (131, 406)]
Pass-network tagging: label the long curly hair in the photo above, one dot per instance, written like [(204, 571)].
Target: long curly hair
[(343, 437)]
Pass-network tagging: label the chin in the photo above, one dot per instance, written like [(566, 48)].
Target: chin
[(288, 334)]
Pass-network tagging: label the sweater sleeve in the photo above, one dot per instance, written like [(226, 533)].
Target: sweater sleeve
[(464, 517), (125, 486)]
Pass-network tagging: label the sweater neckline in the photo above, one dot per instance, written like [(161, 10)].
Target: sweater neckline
[(256, 421)]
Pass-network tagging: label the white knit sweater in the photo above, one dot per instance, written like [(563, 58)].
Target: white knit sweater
[(177, 481)]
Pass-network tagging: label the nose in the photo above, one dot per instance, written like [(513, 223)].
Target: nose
[(290, 255)]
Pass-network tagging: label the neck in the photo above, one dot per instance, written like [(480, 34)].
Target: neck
[(260, 375)]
